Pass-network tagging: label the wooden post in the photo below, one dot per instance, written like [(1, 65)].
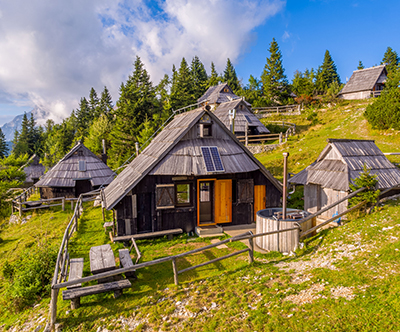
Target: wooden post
[(246, 142), (280, 138), (72, 205), (20, 208), (251, 251), (286, 136), (175, 271), (53, 308), (63, 203), (104, 217), (12, 207)]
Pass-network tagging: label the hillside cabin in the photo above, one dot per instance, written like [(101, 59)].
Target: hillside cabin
[(223, 102), (365, 83), (194, 173), (327, 179), (78, 172), (33, 170)]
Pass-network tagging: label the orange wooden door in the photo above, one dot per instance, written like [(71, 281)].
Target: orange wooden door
[(223, 201), (259, 199)]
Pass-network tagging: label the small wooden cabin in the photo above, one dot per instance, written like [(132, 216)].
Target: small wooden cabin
[(194, 173), (365, 83), (340, 162), (78, 172), (218, 94), (33, 170)]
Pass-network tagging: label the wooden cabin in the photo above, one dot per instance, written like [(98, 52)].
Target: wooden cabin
[(78, 172), (33, 170), (327, 179), (194, 173), (222, 101), (365, 83)]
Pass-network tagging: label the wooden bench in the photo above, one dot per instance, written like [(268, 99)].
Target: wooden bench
[(126, 261), (75, 272), (127, 238), (77, 293)]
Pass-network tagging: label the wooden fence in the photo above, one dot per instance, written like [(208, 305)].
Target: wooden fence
[(262, 112), (61, 269), (262, 138)]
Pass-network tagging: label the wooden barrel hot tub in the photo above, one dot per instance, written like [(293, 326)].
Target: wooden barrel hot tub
[(269, 220)]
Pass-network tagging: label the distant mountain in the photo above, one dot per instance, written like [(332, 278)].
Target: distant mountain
[(9, 128)]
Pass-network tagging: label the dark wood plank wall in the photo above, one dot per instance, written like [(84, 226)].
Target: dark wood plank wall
[(55, 192), (150, 219)]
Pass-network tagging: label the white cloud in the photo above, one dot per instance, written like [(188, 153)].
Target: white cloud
[(286, 36), (53, 52)]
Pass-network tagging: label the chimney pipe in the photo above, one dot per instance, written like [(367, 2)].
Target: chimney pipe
[(103, 142), (137, 148), (285, 156)]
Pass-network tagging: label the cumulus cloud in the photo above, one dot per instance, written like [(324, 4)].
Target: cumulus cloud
[(53, 52)]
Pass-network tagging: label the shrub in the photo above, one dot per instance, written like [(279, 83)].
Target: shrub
[(369, 181), (29, 278)]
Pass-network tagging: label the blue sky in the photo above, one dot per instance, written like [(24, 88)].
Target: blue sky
[(54, 52)]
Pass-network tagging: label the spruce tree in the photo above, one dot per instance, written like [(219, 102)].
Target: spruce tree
[(214, 78), (199, 77), (327, 74), (230, 76), (3, 145), (83, 118), (94, 104), (391, 59), (273, 78), (360, 65), (182, 93), (105, 104), (303, 83), (21, 139), (137, 102)]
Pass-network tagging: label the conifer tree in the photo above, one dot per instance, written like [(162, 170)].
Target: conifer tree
[(273, 78), (83, 118), (21, 139), (183, 93), (303, 83), (105, 102), (391, 59), (3, 145), (252, 91), (199, 77), (327, 74), (230, 76), (94, 104), (214, 78), (360, 65), (137, 102)]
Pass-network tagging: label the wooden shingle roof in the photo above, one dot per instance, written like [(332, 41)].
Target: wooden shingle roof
[(176, 151), (342, 161), (218, 94), (365, 79), (243, 115), (66, 172)]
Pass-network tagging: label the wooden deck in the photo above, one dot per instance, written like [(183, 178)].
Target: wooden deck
[(141, 236)]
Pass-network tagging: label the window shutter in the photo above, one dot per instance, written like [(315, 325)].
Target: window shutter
[(246, 191), (165, 194)]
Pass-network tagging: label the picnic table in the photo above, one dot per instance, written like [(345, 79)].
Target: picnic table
[(102, 260)]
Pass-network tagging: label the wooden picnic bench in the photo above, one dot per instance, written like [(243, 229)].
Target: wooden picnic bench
[(126, 261), (75, 272)]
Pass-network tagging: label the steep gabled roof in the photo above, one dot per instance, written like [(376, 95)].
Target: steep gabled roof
[(218, 94), (170, 154), (33, 169), (342, 161), (66, 172), (364, 79), (243, 115)]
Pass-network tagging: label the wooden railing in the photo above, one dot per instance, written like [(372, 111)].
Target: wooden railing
[(262, 112), (61, 268), (375, 94), (262, 138)]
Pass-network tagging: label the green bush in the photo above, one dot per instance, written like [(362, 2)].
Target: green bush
[(29, 278), (371, 194)]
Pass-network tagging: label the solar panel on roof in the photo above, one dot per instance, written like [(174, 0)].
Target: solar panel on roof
[(216, 159), (247, 118), (208, 159), (212, 159)]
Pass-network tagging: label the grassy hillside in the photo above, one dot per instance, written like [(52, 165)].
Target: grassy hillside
[(343, 279)]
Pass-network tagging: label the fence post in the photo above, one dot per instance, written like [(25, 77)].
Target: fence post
[(63, 203), (280, 138), (251, 251), (20, 208), (72, 205), (12, 207), (53, 308), (246, 142), (175, 271), (286, 136)]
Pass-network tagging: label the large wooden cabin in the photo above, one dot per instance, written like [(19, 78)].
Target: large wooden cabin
[(194, 173), (78, 172)]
